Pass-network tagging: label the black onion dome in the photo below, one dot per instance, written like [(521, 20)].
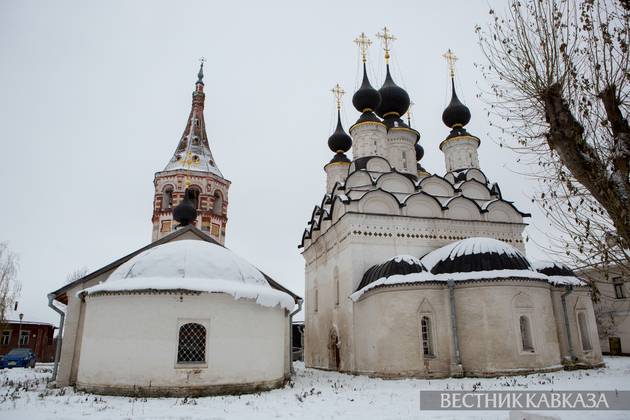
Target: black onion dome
[(419, 152), (366, 98), (368, 116), (393, 98), (479, 254), (339, 142), (400, 265), (185, 213), (456, 113), (340, 158)]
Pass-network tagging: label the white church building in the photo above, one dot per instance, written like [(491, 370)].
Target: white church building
[(183, 316), (416, 275)]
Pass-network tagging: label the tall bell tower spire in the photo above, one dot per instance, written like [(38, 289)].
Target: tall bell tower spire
[(192, 170)]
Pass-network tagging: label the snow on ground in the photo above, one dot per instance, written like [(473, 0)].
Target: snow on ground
[(313, 394)]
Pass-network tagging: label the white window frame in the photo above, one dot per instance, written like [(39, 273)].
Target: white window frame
[(23, 339), (6, 337)]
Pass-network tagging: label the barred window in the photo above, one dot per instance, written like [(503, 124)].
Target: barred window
[(192, 344), (427, 345)]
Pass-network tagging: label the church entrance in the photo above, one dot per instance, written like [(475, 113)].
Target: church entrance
[(333, 350)]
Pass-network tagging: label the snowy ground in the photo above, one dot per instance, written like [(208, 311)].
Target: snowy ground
[(312, 395)]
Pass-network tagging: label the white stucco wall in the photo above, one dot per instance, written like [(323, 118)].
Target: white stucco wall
[(388, 337), (132, 340)]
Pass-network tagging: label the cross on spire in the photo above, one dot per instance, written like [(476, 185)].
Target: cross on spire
[(188, 163), (363, 42), (200, 74), (386, 39), (409, 113), (338, 94), (450, 57)]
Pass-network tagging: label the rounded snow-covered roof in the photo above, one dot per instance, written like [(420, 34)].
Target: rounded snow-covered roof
[(194, 265), (471, 259), (476, 254), (399, 265), (558, 273)]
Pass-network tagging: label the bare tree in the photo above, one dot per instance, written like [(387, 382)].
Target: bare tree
[(77, 274), (558, 73), (10, 286)]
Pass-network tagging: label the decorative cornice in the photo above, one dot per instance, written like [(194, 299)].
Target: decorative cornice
[(461, 137)]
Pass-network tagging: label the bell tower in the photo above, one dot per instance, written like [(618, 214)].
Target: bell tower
[(192, 163)]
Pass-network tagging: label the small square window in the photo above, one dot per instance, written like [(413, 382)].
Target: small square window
[(620, 290)]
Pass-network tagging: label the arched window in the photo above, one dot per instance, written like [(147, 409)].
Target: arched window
[(167, 198), (526, 334), (218, 203), (193, 195), (586, 342), (427, 344), (192, 344)]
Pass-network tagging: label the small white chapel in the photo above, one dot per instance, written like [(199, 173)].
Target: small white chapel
[(184, 316)]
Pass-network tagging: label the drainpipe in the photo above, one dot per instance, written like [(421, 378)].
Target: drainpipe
[(451, 284), (569, 289), (51, 298), (299, 308)]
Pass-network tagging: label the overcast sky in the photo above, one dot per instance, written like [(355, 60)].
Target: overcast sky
[(94, 97)]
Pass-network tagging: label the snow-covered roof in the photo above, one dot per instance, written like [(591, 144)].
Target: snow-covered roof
[(475, 254), (14, 318), (206, 162), (196, 266), (477, 259), (558, 273), (399, 265)]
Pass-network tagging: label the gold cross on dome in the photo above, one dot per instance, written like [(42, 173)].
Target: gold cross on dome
[(450, 57), (363, 42), (386, 38), (409, 113), (338, 94)]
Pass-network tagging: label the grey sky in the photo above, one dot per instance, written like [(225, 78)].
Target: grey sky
[(94, 97)]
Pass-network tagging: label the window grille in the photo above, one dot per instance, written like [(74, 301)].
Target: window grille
[(192, 344)]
